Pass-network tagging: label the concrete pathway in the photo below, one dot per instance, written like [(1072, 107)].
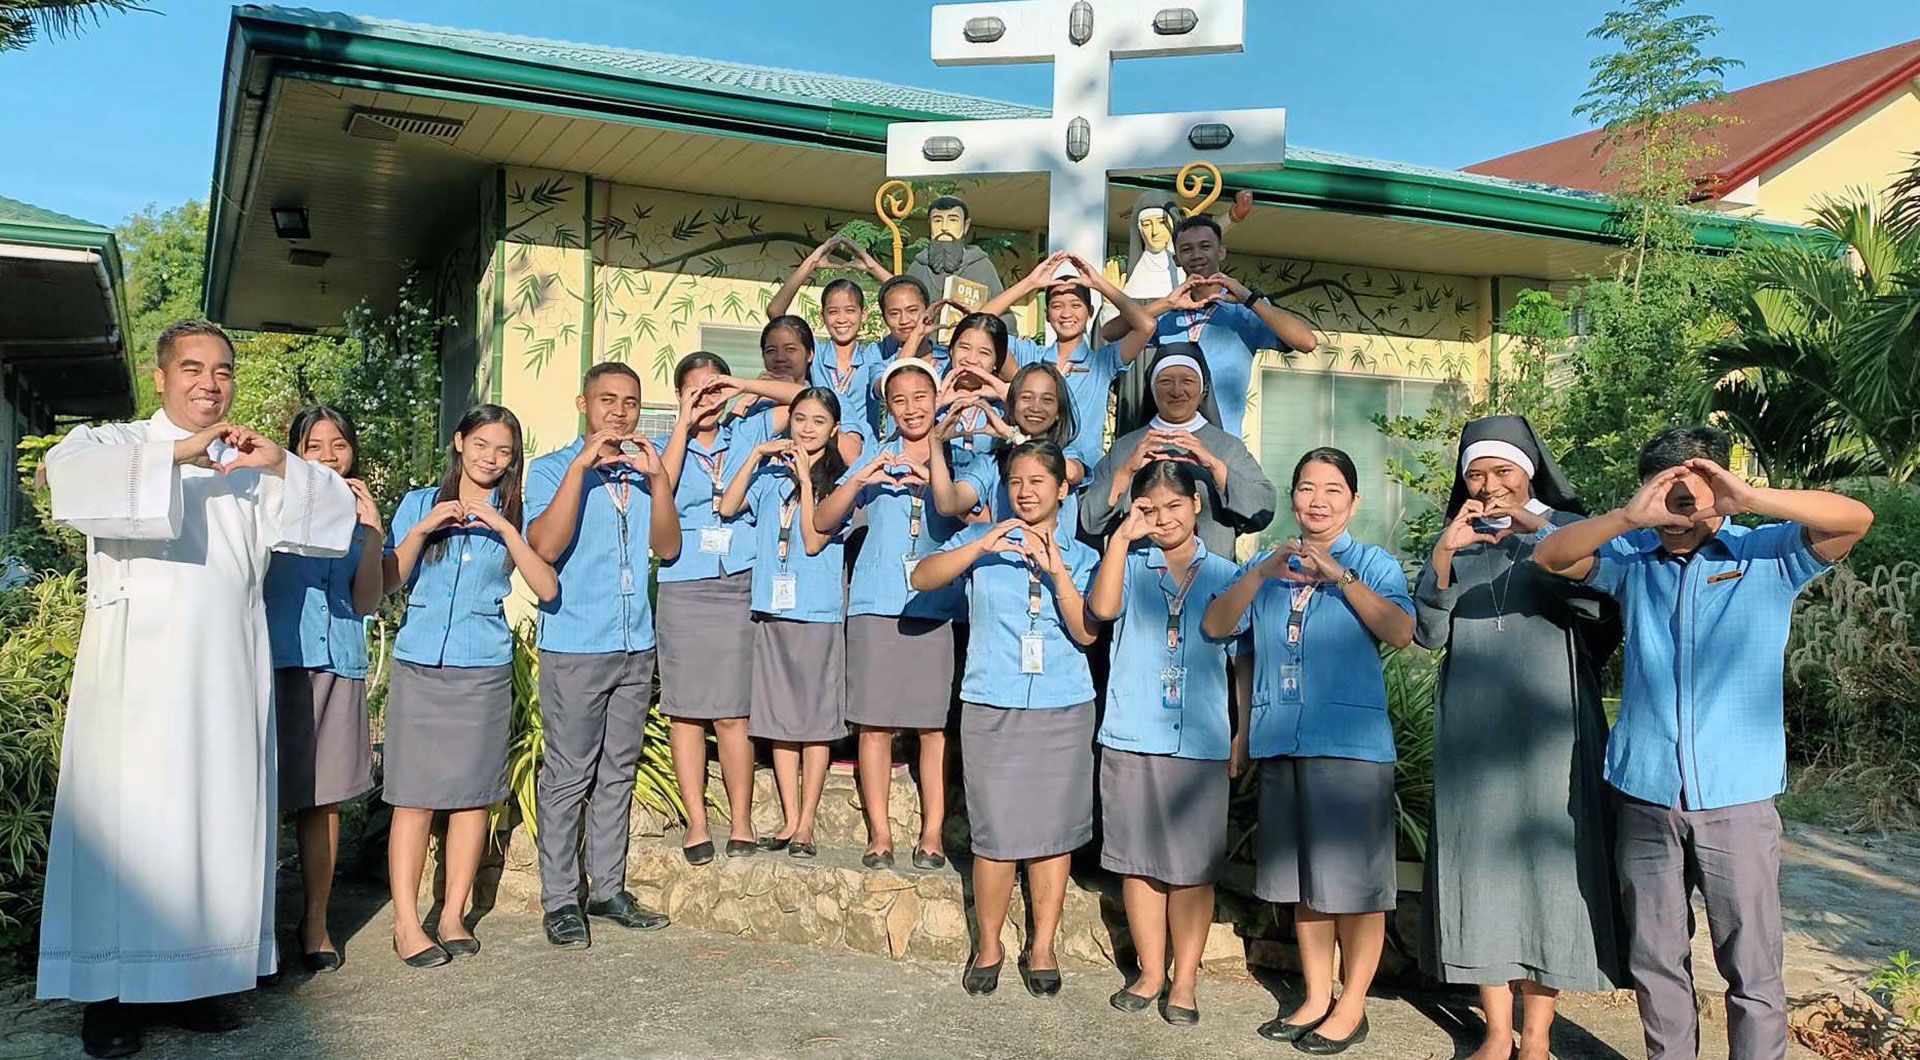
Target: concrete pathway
[(682, 993)]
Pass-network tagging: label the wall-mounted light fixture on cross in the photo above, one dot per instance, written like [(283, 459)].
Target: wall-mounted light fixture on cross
[(1081, 145)]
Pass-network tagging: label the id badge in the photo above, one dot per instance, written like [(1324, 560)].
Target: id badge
[(716, 540), (1033, 657), (626, 581), (1173, 682), (907, 563), (1289, 682), (785, 590)]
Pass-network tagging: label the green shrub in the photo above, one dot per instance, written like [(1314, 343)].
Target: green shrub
[(1853, 687), (1896, 525), (39, 635)]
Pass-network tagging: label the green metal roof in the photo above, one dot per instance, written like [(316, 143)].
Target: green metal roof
[(663, 68), (91, 381), (817, 110)]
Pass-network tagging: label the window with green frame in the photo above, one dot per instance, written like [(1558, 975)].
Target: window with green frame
[(1302, 410)]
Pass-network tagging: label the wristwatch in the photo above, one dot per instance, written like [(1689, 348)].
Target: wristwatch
[(1349, 576), (1252, 297)]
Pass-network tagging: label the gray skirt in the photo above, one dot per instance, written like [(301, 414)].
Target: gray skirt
[(1326, 835), (1163, 817), (1029, 779), (706, 646), (899, 672), (326, 754), (447, 733), (799, 681)]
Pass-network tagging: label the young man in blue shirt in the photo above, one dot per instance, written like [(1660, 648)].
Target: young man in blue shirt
[(1699, 750), (1228, 320), (592, 514)]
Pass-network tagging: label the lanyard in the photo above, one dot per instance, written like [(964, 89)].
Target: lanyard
[(786, 528), (1297, 616), (1033, 596), (712, 464), (913, 520), (1177, 603), (1198, 323), (843, 383)]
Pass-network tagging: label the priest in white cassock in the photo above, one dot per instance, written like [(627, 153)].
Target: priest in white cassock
[(161, 861)]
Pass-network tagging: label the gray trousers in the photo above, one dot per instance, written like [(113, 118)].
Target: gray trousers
[(1732, 855), (593, 711)]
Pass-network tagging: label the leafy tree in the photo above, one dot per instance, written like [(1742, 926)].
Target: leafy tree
[(1653, 99), (1531, 334), (164, 254), (1638, 367), (1823, 380), (23, 21)]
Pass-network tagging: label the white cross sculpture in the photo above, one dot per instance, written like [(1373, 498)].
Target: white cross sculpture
[(1081, 146)]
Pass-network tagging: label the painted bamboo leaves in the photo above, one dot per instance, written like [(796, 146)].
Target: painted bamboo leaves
[(545, 215)]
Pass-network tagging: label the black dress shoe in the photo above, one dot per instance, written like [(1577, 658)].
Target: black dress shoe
[(1128, 1001), (1278, 1029), (699, 853), (322, 961), (928, 860), (567, 928), (623, 910), (981, 979), (797, 849), (772, 842), (1179, 1017), (742, 848), (467, 947), (1040, 982), (879, 859), (1317, 1044), (108, 1028), (431, 957)]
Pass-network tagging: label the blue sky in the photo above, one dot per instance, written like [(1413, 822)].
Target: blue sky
[(99, 125)]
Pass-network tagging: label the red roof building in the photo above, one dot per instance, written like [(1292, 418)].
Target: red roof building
[(1794, 140)]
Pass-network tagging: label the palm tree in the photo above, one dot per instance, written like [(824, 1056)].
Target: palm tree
[(1823, 380), (22, 21)]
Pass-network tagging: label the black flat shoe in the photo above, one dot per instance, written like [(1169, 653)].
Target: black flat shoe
[(772, 842), (699, 853), (1317, 1044), (803, 850), (431, 957), (1128, 1001), (1040, 982), (1179, 1017), (981, 979), (108, 1029), (625, 911), (742, 848), (1278, 1029), (467, 947), (567, 928), (879, 859), (928, 860), (321, 961)]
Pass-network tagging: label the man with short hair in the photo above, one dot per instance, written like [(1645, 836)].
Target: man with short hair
[(1229, 321), (160, 863), (1699, 750), (594, 510)]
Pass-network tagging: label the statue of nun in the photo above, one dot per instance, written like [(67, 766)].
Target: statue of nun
[(1519, 870)]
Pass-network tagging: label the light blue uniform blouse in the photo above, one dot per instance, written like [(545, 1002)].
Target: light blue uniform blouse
[(998, 588), (1139, 716), (311, 623), (879, 582), (455, 612), (1341, 708), (819, 591), (703, 477)]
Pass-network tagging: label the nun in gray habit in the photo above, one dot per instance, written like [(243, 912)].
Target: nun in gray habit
[(1519, 868), (1238, 496)]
